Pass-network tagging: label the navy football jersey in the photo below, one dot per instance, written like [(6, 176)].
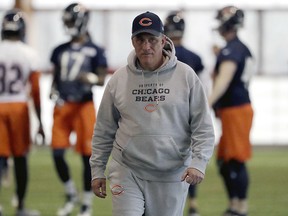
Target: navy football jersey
[(190, 58), (237, 92), (70, 60)]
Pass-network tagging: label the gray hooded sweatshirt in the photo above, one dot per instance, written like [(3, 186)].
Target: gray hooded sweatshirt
[(157, 123)]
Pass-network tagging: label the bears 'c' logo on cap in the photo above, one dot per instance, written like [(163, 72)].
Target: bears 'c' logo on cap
[(145, 22)]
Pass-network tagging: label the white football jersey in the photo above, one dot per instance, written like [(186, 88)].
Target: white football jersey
[(17, 62)]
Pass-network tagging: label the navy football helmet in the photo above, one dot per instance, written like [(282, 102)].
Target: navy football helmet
[(13, 25), (174, 25), (75, 19), (230, 18)]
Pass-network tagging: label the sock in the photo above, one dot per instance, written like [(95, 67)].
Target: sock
[(242, 182), (87, 201), (228, 175), (86, 173), (21, 175), (192, 191), (61, 165), (70, 187), (87, 198)]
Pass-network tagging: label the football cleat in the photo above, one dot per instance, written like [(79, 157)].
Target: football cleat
[(68, 206), (26, 212), (85, 211), (193, 212), (14, 201), (230, 212)]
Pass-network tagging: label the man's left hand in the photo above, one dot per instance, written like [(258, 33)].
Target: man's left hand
[(192, 176)]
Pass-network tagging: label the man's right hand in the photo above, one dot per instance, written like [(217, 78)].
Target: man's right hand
[(99, 187)]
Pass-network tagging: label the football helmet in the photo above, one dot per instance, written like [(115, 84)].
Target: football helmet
[(174, 24), (75, 19), (230, 18), (13, 25)]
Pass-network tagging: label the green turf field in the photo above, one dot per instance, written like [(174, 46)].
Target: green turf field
[(268, 195)]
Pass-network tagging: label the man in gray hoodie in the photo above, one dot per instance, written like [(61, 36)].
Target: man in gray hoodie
[(155, 123)]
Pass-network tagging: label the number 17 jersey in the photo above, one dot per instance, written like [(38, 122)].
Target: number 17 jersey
[(72, 59)]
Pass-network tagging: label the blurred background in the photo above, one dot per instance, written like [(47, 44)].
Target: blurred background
[(265, 32)]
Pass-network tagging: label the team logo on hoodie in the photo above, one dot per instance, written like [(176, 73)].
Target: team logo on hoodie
[(151, 107), (151, 93)]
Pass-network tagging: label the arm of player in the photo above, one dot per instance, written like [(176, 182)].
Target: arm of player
[(222, 80), (91, 78), (192, 176), (102, 72), (99, 187), (54, 94), (35, 93)]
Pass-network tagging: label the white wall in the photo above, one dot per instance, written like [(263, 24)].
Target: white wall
[(270, 104), (269, 96)]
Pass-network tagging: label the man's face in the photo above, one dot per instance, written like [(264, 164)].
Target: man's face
[(148, 50)]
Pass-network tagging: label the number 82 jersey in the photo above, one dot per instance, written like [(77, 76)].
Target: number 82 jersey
[(17, 62)]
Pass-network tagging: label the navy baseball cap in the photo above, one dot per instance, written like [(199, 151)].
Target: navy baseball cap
[(147, 22)]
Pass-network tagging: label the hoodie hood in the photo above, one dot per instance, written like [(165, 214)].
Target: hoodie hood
[(168, 52)]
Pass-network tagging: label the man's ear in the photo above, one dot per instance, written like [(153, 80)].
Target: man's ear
[(163, 40), (132, 42)]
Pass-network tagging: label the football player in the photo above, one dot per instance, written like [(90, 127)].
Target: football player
[(174, 27), (78, 65), (231, 102), (19, 71)]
